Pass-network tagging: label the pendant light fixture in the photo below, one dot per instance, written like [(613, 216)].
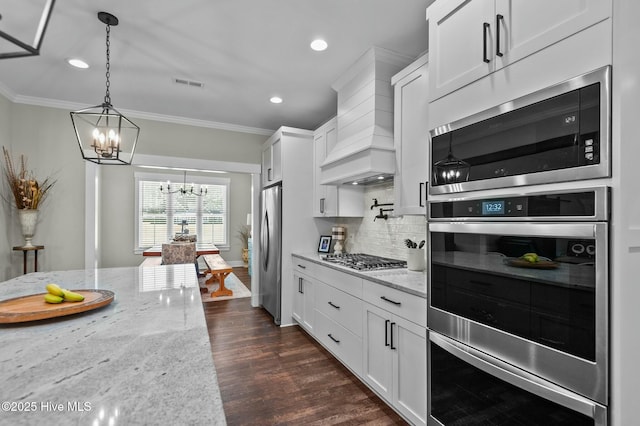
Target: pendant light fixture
[(184, 189), (25, 49), (104, 135), (450, 169)]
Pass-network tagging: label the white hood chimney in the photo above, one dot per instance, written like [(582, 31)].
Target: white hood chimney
[(364, 149)]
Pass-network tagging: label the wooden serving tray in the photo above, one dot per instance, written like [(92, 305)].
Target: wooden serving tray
[(540, 264), (33, 307)]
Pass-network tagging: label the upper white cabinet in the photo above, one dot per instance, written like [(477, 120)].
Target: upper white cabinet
[(470, 39), (411, 137), (272, 161), (332, 200)]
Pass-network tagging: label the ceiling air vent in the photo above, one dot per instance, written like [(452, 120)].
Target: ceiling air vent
[(186, 82)]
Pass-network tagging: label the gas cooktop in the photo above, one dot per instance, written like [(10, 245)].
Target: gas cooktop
[(364, 262)]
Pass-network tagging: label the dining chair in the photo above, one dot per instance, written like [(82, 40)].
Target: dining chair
[(175, 253)]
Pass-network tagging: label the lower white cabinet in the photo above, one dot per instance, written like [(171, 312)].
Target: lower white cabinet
[(376, 331), (395, 361), (344, 345), (303, 301)]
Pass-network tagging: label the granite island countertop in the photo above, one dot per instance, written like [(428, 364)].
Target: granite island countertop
[(143, 359), (412, 282)]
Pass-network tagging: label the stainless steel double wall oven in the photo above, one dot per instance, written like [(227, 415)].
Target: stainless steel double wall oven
[(513, 341)]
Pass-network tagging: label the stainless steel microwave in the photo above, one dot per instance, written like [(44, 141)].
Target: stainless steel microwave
[(561, 133)]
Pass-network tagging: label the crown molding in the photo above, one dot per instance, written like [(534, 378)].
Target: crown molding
[(73, 106)]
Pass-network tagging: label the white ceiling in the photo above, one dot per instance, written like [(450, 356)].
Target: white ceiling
[(244, 51)]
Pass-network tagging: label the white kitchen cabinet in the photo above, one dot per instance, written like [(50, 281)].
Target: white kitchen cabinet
[(395, 361), (471, 39), (303, 301), (411, 137), (332, 200), (272, 161), (395, 348)]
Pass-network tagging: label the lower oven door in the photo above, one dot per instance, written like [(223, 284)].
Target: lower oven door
[(549, 318), (469, 387)]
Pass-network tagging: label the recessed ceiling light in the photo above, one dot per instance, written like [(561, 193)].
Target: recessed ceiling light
[(354, 183), (319, 45), (78, 63), (380, 177), (276, 100)]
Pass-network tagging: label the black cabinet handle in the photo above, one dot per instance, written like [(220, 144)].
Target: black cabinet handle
[(499, 18), (335, 306), (301, 266), (420, 194), (269, 174), (333, 338), (390, 301), (392, 324), (386, 332), (321, 205), (485, 28), (300, 285)]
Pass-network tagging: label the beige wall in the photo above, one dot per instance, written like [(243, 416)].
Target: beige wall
[(5, 208), (45, 136)]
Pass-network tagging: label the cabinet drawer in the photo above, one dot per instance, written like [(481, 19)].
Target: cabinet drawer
[(340, 280), (341, 307), (346, 346), (303, 266), (408, 306)]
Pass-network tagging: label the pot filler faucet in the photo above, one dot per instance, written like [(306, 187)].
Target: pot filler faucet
[(382, 214)]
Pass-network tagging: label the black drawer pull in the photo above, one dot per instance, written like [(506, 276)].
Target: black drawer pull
[(333, 338), (390, 301), (485, 28), (301, 266), (335, 306), (392, 324), (386, 332), (498, 19)]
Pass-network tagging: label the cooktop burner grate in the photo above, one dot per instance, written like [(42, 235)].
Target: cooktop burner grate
[(364, 262)]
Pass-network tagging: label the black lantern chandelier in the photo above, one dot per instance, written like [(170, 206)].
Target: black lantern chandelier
[(183, 190), (104, 135), (450, 169), (26, 49)]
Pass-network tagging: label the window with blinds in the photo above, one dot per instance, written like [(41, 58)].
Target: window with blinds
[(161, 215)]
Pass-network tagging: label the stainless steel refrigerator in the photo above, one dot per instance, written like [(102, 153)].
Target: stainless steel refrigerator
[(271, 251)]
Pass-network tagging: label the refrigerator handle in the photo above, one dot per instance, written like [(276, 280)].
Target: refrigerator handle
[(264, 239)]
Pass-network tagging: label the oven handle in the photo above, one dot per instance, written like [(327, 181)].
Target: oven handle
[(537, 229), (520, 378)]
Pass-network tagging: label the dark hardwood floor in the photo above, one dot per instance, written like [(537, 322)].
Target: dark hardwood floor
[(271, 375)]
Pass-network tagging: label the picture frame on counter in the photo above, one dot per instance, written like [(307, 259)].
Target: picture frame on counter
[(324, 244)]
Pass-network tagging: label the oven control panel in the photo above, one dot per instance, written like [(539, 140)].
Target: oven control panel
[(579, 204)]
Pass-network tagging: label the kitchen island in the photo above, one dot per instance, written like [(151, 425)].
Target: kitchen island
[(143, 359)]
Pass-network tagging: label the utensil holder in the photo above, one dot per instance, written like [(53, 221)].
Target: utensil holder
[(416, 259)]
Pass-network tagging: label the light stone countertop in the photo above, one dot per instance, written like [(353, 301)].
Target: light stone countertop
[(144, 359), (411, 282)]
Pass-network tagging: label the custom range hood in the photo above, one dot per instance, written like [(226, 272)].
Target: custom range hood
[(364, 151)]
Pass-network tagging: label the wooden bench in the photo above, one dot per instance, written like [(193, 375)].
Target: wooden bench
[(219, 269)]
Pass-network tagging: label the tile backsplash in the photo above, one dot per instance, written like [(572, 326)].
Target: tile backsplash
[(381, 237)]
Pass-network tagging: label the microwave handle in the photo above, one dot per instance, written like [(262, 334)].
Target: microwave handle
[(520, 378), (538, 229)]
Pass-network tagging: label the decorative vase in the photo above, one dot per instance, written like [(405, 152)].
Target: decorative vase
[(28, 219), (245, 256)]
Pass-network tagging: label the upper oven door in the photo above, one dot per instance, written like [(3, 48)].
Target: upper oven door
[(560, 133), (548, 317)]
